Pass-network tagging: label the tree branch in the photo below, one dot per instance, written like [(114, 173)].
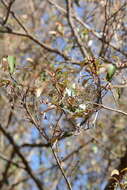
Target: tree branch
[(17, 150), (74, 30), (61, 169)]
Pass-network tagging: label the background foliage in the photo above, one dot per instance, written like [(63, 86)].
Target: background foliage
[(63, 102)]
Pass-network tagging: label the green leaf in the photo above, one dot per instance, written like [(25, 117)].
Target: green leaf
[(111, 70), (11, 62)]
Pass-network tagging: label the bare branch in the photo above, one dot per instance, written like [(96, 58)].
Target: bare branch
[(60, 167), (17, 150), (10, 161), (43, 45), (90, 29), (8, 10), (83, 50), (111, 109)]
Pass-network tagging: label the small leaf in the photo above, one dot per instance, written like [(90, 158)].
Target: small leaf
[(39, 91), (114, 172), (30, 60), (111, 70), (82, 106), (11, 63), (95, 149)]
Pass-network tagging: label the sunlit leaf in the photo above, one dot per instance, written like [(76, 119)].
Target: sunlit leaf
[(30, 60), (69, 91), (82, 106), (39, 91), (111, 70), (95, 149), (114, 172)]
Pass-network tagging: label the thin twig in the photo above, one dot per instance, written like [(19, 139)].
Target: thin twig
[(43, 45), (60, 167), (32, 119), (17, 20), (10, 161), (111, 109), (42, 170), (74, 30), (8, 10)]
